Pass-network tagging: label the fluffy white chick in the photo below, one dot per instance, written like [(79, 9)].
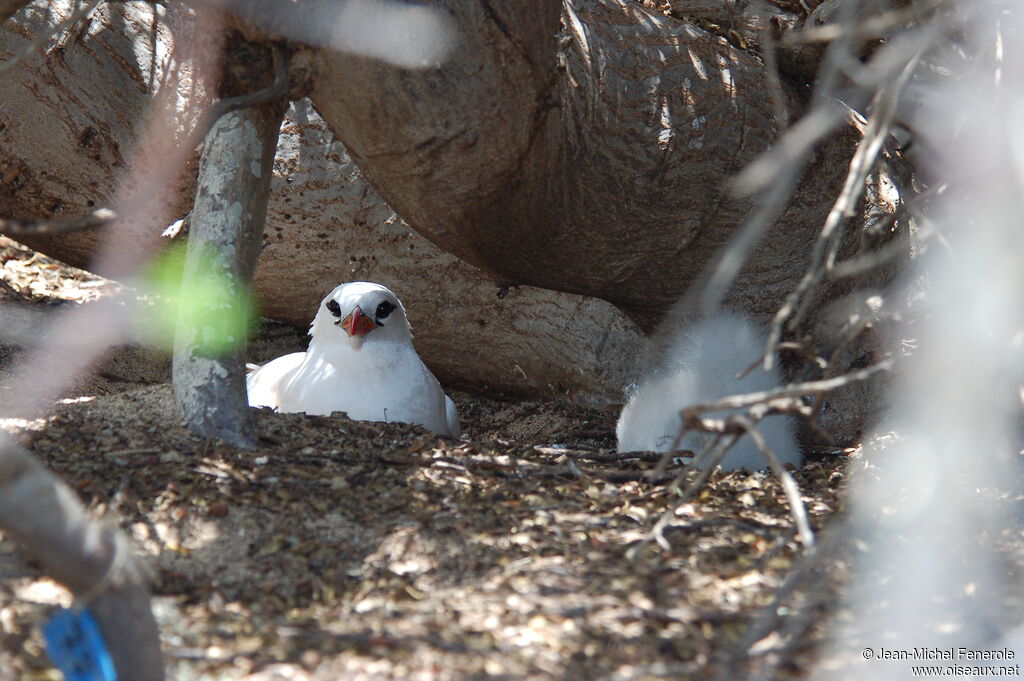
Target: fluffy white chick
[(700, 364), (360, 361)]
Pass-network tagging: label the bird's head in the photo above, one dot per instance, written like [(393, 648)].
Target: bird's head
[(360, 312)]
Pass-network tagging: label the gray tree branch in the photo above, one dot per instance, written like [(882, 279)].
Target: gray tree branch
[(226, 231)]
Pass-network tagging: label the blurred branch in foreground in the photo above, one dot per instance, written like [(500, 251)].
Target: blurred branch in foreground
[(88, 557)]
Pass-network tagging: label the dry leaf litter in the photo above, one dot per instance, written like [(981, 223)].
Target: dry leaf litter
[(341, 549)]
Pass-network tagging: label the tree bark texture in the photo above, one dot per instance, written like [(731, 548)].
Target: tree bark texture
[(590, 159), (227, 227), (69, 114), (325, 225), (595, 164), (91, 559), (9, 7)]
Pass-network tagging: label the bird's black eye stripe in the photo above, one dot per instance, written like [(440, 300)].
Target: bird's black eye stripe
[(333, 307), (383, 310)]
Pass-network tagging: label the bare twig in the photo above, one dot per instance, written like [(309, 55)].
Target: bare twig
[(802, 575), (729, 429), (766, 397), (870, 28), (74, 549), (796, 504), (827, 246), (277, 89), (91, 220), (709, 458), (869, 261), (776, 172), (865, 262), (777, 546), (771, 66), (742, 244), (808, 355), (832, 105), (734, 426), (852, 329), (673, 452)]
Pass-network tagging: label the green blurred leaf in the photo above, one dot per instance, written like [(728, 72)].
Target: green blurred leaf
[(211, 305)]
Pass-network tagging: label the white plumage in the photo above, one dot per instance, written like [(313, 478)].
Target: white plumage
[(699, 365), (360, 361)]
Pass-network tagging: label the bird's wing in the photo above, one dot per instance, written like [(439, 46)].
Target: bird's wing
[(452, 416), (263, 384)]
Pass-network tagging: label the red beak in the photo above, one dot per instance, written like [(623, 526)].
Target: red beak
[(357, 324)]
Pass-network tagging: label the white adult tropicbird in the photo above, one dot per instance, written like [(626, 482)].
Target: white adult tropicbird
[(700, 364), (360, 361)]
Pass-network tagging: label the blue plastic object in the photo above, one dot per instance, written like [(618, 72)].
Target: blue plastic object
[(75, 647)]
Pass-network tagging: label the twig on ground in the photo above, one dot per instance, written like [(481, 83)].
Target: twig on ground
[(775, 548), (735, 426), (619, 457), (711, 455), (728, 430), (521, 468), (718, 521), (766, 621), (789, 486), (672, 453)]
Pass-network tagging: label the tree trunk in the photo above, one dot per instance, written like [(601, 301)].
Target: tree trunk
[(590, 160), (325, 224), (596, 167), (226, 231), (68, 116)]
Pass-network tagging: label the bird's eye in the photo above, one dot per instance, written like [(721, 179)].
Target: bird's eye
[(383, 310), (333, 307)]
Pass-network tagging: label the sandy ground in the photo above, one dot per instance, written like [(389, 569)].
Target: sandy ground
[(374, 551)]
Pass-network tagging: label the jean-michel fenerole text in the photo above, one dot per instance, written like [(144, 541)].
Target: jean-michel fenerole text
[(944, 654)]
